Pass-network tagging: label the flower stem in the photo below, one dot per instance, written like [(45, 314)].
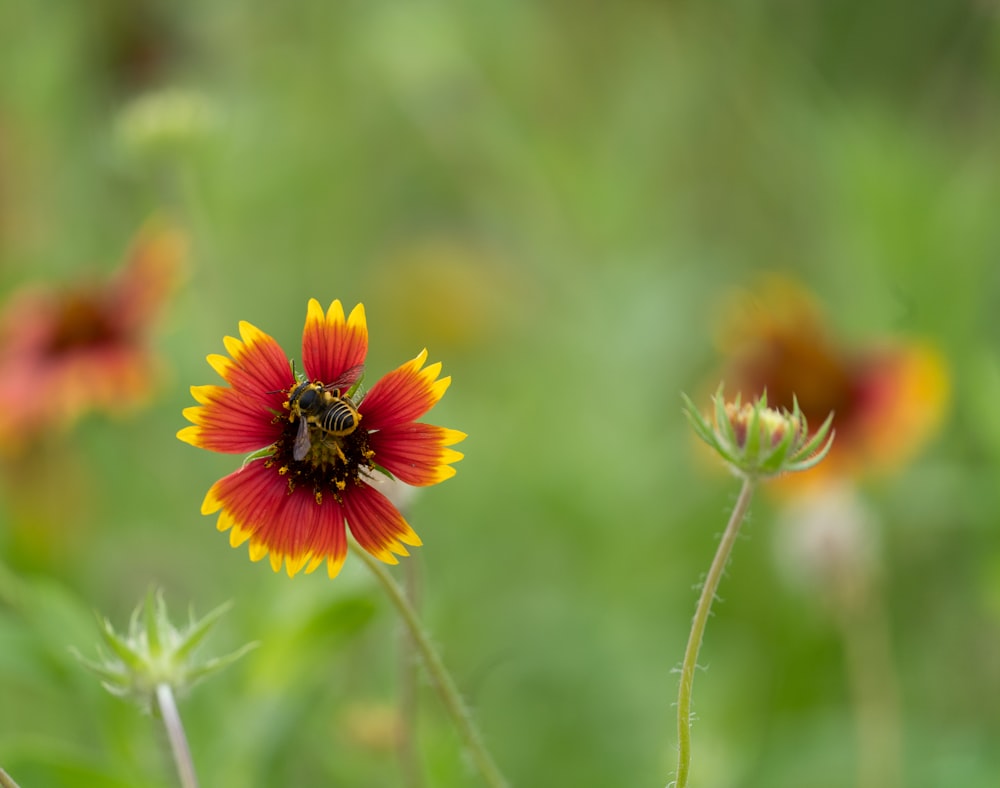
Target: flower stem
[(439, 675), (409, 759), (175, 732), (6, 781), (698, 630), (862, 618)]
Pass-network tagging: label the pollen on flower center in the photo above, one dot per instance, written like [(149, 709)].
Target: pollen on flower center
[(332, 464)]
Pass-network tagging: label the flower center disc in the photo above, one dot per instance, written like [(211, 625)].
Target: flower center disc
[(333, 461)]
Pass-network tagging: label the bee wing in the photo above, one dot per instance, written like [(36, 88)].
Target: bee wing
[(302, 442), (348, 379)]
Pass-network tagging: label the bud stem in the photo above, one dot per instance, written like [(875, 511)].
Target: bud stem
[(701, 614), (175, 732), (409, 758), (439, 676), (6, 781)]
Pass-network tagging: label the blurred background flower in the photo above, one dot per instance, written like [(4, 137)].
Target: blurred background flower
[(163, 123), (69, 349), (888, 396)]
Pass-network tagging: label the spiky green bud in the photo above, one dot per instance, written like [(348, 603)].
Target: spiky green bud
[(759, 442), (154, 652)]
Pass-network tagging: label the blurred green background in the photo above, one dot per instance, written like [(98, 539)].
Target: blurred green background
[(553, 198)]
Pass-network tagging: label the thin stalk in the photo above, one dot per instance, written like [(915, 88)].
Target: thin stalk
[(175, 732), (439, 676), (701, 614), (406, 749), (6, 781), (868, 660)]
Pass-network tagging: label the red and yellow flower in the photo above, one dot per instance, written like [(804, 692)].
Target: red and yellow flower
[(85, 347), (888, 397), (295, 510)]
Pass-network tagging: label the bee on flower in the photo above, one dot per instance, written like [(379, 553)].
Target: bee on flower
[(319, 448)]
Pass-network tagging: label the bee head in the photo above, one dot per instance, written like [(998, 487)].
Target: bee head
[(306, 398)]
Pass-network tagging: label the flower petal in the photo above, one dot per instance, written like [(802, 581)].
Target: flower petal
[(416, 453), (258, 367), (154, 267), (290, 527), (906, 393), (404, 395), (332, 345), (227, 421), (377, 524)]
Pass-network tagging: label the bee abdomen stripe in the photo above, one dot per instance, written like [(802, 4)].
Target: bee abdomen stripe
[(339, 417)]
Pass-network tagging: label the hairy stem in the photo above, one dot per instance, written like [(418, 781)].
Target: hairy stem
[(439, 676), (6, 781), (698, 630), (409, 758), (175, 732)]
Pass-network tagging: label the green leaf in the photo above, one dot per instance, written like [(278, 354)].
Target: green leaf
[(821, 435), (698, 423), (216, 664), (101, 670), (153, 614), (193, 636), (121, 648), (257, 455), (722, 422)]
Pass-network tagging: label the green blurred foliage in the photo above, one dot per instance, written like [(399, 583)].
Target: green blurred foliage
[(552, 197)]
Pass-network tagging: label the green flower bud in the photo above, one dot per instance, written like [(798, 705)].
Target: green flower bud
[(759, 442), (155, 653)]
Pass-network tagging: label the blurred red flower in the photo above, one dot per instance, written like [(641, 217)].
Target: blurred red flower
[(888, 397), (84, 347)]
